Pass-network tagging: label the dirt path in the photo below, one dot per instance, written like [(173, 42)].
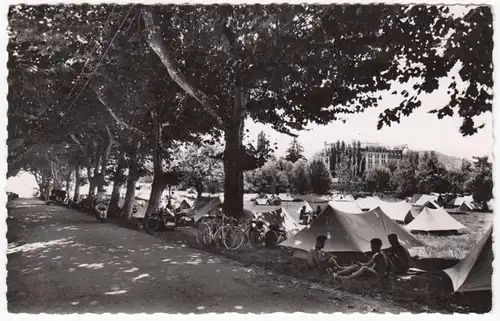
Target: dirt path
[(63, 261)]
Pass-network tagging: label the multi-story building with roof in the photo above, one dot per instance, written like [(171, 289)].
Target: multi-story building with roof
[(374, 154)]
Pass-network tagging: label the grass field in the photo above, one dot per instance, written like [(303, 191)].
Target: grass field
[(442, 247), (455, 246)]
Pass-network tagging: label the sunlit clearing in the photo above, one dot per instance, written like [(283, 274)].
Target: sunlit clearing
[(116, 292), (142, 276), (94, 266), (195, 262), (12, 248), (131, 270)]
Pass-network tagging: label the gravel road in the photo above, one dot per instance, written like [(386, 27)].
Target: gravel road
[(64, 261)]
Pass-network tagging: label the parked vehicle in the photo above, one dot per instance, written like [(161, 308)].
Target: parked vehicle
[(12, 196), (162, 218), (57, 196), (101, 209)]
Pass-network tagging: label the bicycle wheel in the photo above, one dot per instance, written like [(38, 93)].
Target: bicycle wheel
[(237, 238), (202, 233), (152, 223), (220, 236)]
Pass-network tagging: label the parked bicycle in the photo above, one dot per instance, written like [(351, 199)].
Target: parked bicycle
[(275, 235), (218, 230), (251, 231), (161, 218)]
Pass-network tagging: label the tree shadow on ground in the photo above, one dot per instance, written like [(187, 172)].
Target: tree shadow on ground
[(62, 261)]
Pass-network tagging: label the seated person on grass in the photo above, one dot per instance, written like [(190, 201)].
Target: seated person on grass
[(302, 216), (398, 255), (318, 258), (376, 267)]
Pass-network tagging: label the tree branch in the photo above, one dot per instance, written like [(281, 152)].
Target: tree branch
[(73, 137), (118, 121), (156, 43)]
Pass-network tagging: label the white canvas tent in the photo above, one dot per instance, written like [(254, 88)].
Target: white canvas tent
[(424, 199), (261, 201), (401, 212), (285, 197), (368, 203), (467, 206), (281, 218), (309, 209), (350, 233), (346, 206), (205, 206), (474, 272), (458, 201), (434, 220)]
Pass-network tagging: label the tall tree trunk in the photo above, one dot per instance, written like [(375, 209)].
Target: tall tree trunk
[(78, 177), (159, 182), (106, 151), (157, 188), (129, 198), (133, 177), (91, 180), (68, 185), (118, 182), (233, 152)]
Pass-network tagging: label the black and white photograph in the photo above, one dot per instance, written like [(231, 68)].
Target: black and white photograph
[(249, 158)]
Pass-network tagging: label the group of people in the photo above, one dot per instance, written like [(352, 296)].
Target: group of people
[(305, 217), (395, 259)]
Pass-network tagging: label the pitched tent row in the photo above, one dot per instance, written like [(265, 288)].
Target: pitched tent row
[(368, 203), (346, 206), (474, 272), (348, 232), (401, 212), (434, 220)]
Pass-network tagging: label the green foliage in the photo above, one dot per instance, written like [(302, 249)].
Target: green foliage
[(200, 165), (431, 175), (337, 152), (480, 182), (300, 177), (319, 177), (378, 180), (346, 179), (295, 151)]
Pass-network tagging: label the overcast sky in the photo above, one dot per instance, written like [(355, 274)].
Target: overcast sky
[(420, 131)]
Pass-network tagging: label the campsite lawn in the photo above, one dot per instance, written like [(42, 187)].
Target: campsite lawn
[(420, 294), (455, 246)]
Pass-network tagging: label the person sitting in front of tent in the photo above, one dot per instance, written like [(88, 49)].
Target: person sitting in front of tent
[(302, 215), (317, 257), (376, 267), (398, 255)]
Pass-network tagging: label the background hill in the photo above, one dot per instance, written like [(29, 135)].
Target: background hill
[(446, 160)]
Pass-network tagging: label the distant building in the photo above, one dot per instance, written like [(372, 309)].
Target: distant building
[(374, 154)]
